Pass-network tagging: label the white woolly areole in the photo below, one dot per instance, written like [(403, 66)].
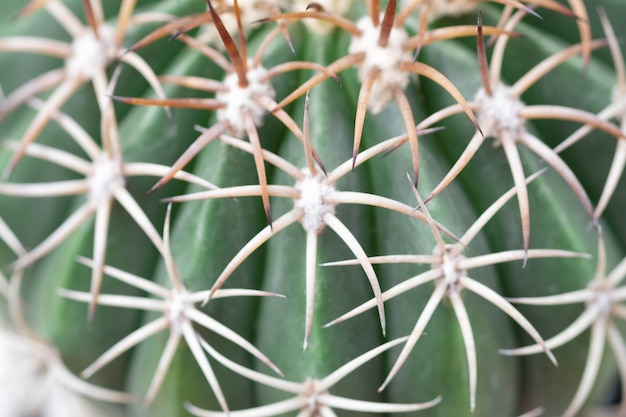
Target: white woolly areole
[(238, 99), (35, 381), (313, 392), (449, 267), (450, 274), (604, 302), (176, 313), (313, 191), (91, 53), (106, 176), (501, 109), (387, 59)]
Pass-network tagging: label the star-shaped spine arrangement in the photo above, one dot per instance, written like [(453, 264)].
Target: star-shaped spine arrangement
[(315, 198), (502, 115), (449, 273), (104, 183), (312, 396), (603, 299), (381, 49), (241, 99), (34, 378), (94, 47), (179, 315), (383, 53)]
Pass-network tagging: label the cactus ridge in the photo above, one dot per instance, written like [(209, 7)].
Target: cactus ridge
[(79, 162)]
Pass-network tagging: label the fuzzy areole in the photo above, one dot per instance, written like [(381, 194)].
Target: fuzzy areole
[(286, 227)]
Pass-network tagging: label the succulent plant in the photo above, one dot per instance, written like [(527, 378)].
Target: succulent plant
[(158, 156)]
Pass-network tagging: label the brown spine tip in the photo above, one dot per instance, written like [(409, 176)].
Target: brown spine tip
[(268, 215), (482, 57), (231, 48), (424, 14), (91, 19), (315, 6), (387, 23)]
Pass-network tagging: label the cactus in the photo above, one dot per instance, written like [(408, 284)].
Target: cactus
[(263, 208)]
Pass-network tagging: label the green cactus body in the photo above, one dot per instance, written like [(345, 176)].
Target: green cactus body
[(299, 271)]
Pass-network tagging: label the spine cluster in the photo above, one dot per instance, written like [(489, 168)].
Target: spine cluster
[(323, 229)]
